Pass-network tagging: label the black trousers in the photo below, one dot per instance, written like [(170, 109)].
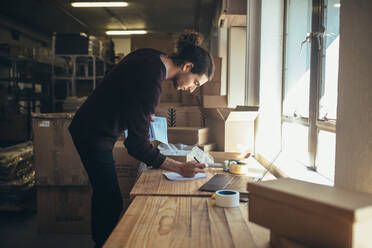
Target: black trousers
[(107, 203)]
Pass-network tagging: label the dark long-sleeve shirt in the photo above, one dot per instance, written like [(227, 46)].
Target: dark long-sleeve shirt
[(125, 99)]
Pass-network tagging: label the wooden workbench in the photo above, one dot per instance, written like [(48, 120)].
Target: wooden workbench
[(153, 182), (168, 221)]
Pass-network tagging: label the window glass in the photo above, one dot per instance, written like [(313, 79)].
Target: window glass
[(328, 91), (295, 142), (297, 62), (326, 154)]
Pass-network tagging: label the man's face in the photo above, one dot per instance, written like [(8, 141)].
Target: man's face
[(185, 80)]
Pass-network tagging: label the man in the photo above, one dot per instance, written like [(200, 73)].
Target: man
[(125, 100)]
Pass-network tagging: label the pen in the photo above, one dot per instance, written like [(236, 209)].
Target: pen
[(196, 160)]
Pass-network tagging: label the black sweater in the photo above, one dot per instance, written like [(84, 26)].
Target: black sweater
[(125, 99)]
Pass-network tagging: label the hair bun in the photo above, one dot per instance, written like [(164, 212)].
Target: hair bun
[(189, 38)]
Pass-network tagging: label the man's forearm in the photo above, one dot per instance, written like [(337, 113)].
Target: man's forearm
[(171, 164)]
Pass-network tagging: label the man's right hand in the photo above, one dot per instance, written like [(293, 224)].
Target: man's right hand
[(188, 169)]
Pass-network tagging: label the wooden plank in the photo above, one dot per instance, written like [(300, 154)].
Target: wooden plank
[(155, 221), (153, 182)]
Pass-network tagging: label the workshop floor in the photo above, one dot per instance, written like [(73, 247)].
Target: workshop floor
[(20, 230)]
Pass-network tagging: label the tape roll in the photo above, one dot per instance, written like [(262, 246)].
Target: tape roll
[(227, 198), (239, 169)]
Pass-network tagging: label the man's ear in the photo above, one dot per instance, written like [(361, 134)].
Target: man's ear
[(187, 67)]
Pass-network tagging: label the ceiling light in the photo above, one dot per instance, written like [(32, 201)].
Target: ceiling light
[(99, 4), (125, 32), (337, 5)]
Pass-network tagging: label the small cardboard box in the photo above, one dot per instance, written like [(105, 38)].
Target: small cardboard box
[(164, 42), (210, 101), (190, 116), (169, 93), (208, 147), (311, 214), (232, 130), (188, 135), (222, 156), (56, 160), (181, 158)]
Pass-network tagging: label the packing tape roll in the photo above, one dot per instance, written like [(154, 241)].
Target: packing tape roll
[(227, 198), (239, 169)]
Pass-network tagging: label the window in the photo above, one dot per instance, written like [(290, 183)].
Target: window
[(310, 83)]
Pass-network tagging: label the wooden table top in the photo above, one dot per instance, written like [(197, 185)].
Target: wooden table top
[(166, 221), (153, 182)]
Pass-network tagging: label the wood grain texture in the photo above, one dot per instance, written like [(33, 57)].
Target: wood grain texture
[(159, 221), (153, 182)]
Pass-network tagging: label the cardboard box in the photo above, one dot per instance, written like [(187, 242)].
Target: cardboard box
[(164, 42), (222, 156), (63, 209), (188, 135), (56, 160), (190, 99), (181, 158), (232, 130), (67, 209), (311, 214), (121, 155), (181, 116), (169, 93), (210, 101), (208, 147), (214, 86)]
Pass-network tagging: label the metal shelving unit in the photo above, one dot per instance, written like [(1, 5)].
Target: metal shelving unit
[(25, 85)]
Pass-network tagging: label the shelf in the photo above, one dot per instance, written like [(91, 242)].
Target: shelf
[(23, 80), (77, 78)]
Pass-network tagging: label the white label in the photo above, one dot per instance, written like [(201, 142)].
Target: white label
[(44, 124)]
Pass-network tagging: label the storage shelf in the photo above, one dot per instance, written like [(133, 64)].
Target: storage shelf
[(77, 78)]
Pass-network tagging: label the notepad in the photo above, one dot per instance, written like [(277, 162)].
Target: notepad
[(173, 176)]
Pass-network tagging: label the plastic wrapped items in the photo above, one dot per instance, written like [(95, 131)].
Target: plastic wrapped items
[(17, 177), (16, 161)]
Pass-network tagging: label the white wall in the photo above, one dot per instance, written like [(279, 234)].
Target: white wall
[(236, 66), (222, 53), (354, 113), (122, 45), (268, 124)]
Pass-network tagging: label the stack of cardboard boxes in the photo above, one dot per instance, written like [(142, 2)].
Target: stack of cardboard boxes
[(63, 189)]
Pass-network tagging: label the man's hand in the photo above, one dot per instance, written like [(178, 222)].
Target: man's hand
[(152, 118), (188, 169)]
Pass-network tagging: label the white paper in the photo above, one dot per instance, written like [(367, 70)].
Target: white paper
[(158, 130), (201, 156), (173, 176)]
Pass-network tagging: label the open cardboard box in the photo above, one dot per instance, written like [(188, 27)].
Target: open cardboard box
[(232, 129)]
